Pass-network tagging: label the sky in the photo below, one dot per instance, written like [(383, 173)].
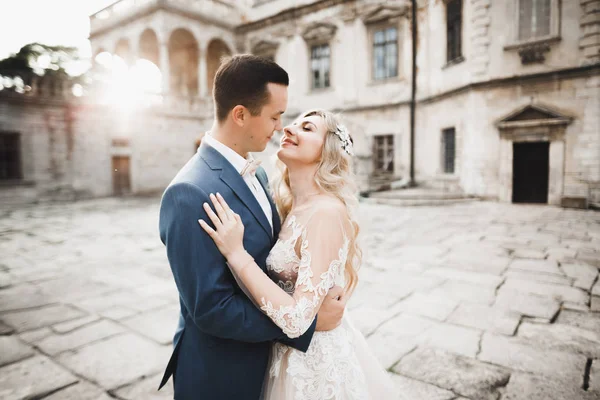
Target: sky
[(52, 22)]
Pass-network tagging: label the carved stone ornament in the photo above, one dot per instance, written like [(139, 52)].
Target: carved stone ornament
[(383, 13), (533, 53), (265, 47), (320, 31)]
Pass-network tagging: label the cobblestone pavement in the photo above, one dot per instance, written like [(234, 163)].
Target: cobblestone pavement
[(477, 301)]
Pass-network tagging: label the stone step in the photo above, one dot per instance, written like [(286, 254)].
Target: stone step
[(416, 202)]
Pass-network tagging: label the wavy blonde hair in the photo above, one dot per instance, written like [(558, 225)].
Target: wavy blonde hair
[(334, 176)]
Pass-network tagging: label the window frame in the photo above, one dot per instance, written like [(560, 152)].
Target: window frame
[(311, 46), (554, 28), (387, 147), (458, 57), (444, 147), (383, 26)]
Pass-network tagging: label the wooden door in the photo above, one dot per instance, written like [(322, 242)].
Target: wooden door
[(120, 174)]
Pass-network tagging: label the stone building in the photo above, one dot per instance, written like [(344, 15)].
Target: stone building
[(507, 101)]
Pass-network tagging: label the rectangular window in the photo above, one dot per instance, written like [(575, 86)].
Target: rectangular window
[(383, 154), (320, 66), (385, 53), (453, 30), (534, 19), (449, 149), (10, 156)]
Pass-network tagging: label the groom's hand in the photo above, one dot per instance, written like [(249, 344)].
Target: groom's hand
[(332, 310)]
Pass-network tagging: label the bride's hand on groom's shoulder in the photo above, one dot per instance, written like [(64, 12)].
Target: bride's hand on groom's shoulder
[(228, 233)]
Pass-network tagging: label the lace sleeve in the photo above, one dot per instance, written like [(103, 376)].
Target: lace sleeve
[(323, 252)]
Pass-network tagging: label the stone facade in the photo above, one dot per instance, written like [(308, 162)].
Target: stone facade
[(502, 90)]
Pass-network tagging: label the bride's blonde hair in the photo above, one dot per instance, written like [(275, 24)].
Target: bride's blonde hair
[(334, 176)]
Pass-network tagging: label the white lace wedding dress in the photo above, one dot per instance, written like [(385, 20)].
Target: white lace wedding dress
[(307, 260)]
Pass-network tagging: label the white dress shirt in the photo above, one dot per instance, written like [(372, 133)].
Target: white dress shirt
[(239, 163)]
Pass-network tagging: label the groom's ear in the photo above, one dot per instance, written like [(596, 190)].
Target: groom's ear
[(240, 115)]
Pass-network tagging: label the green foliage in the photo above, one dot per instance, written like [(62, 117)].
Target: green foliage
[(41, 60)]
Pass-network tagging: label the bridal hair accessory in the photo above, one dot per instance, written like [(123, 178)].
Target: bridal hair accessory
[(342, 133)]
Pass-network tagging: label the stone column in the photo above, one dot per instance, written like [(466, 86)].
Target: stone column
[(556, 172), (164, 67), (203, 88)]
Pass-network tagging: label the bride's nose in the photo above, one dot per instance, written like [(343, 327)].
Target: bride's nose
[(288, 131)]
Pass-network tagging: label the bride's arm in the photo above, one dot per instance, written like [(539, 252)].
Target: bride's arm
[(324, 248)]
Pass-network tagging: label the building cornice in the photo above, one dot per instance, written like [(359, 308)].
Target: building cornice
[(152, 8), (566, 73), (289, 14)]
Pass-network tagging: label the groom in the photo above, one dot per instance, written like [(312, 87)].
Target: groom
[(223, 341)]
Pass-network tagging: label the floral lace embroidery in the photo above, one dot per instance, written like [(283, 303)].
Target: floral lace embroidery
[(295, 319)]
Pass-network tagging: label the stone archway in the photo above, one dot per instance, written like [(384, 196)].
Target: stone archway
[(148, 46), (217, 49), (532, 147), (123, 50), (183, 63)]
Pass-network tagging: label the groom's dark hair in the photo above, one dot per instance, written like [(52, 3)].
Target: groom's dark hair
[(242, 80)]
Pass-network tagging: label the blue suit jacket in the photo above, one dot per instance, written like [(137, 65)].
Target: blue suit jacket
[(222, 342)]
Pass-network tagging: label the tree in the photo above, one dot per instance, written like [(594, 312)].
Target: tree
[(53, 63)]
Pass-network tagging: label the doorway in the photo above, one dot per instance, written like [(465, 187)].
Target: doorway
[(120, 175), (531, 169)]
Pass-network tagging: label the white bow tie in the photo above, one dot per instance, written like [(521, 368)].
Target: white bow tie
[(250, 168)]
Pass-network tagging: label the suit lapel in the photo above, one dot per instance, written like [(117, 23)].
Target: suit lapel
[(232, 178)]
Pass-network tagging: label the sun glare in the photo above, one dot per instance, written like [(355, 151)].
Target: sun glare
[(128, 86)]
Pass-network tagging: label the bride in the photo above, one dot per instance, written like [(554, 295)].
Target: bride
[(316, 250)]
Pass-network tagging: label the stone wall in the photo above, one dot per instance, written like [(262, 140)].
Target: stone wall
[(67, 147)]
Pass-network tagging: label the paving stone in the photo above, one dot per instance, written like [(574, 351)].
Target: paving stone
[(405, 325), (388, 348), (427, 305), (146, 389), (540, 266), (512, 353), (414, 389), (594, 383), (560, 254), (367, 319), (595, 303), (41, 317), (80, 391), (465, 292), (557, 292), (527, 387), (527, 304), (99, 362), (5, 329), (452, 338), (488, 264), (539, 277), (476, 278), (574, 306), (590, 257), (118, 313), (68, 326), (146, 324), (21, 297), (493, 319), (35, 335), (58, 343), (16, 381), (562, 337), (462, 375), (12, 349), (529, 254), (596, 288), (583, 274)]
